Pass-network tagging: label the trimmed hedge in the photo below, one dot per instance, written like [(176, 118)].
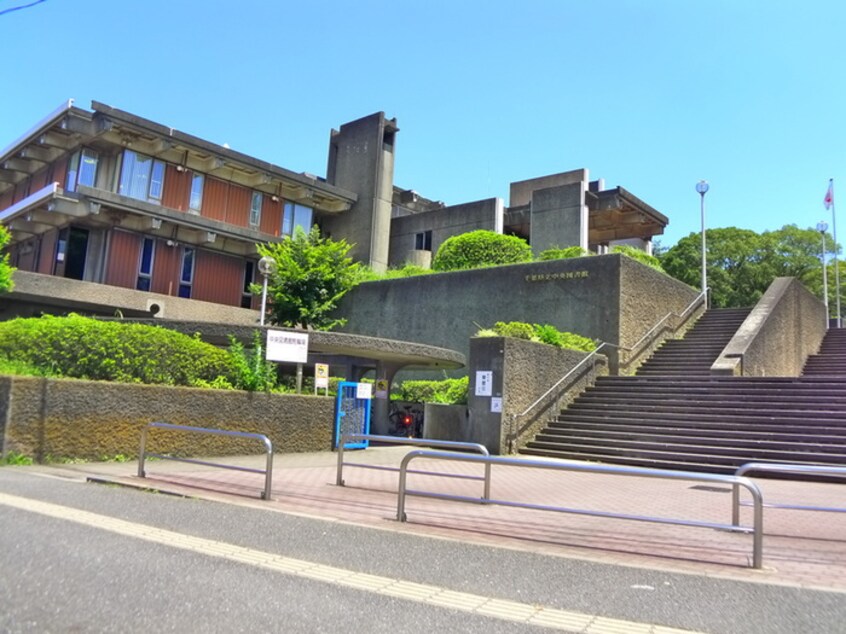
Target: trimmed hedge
[(542, 333), (641, 256), (557, 253), (480, 248), (447, 392), (85, 348)]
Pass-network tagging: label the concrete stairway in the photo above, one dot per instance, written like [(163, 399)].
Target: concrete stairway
[(831, 358), (673, 415)]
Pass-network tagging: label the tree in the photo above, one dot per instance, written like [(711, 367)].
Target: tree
[(312, 275), (742, 264), (6, 269), (480, 248)]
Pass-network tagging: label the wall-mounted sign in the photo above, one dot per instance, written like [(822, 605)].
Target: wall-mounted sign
[(364, 390), (290, 347), (381, 388), (496, 404), (484, 383)]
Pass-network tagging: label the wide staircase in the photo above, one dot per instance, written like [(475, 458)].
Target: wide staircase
[(672, 414)]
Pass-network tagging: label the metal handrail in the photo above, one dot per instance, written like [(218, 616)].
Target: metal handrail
[(784, 468), (425, 442), (267, 471), (681, 315), (757, 529)]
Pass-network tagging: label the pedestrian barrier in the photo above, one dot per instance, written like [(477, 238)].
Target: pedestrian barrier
[(267, 472), (425, 442), (784, 468), (756, 529)]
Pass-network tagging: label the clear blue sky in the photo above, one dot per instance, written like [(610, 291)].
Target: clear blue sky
[(652, 95)]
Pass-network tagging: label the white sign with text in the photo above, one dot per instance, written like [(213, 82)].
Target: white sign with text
[(290, 347)]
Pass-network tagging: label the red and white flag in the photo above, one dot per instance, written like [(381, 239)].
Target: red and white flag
[(828, 201)]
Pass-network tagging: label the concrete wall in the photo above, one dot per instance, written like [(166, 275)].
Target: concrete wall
[(559, 217), (611, 298), (86, 419), (443, 223), (521, 372), (446, 422), (783, 329)]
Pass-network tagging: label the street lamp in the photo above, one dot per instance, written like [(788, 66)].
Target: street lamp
[(822, 227), (267, 267), (702, 187)]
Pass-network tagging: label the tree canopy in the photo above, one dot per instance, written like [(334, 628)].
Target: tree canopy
[(6, 269), (741, 264), (312, 275)]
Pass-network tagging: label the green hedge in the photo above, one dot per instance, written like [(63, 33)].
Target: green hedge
[(447, 391), (480, 248), (557, 253), (542, 333), (80, 347), (641, 256)]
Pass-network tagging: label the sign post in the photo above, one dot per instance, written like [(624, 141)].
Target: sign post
[(288, 347), (321, 377)]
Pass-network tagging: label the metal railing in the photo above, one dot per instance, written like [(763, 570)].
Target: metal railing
[(267, 472), (758, 518), (784, 468), (682, 317), (424, 442)]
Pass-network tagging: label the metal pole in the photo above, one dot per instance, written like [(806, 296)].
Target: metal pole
[(263, 301), (704, 266), (825, 279), (836, 265)]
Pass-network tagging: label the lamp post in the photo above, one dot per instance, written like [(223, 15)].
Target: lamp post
[(702, 187), (267, 267)]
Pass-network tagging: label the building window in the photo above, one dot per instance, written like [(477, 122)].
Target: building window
[(186, 277), (196, 200), (141, 177), (145, 265), (246, 293), (296, 216), (423, 241), (82, 169), (255, 209)]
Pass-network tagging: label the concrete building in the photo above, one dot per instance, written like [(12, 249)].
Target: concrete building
[(105, 197)]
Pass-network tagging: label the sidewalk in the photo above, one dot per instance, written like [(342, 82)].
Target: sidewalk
[(801, 548)]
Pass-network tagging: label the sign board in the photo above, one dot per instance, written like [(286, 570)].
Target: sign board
[(496, 404), (364, 390), (321, 375), (484, 383), (381, 388), (290, 347)]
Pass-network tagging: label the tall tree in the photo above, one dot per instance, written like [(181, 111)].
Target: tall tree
[(6, 269), (312, 275)]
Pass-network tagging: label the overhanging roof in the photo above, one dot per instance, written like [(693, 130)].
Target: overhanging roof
[(617, 214)]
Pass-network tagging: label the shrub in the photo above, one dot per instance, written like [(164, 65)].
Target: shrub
[(480, 248), (447, 391), (85, 348), (557, 253), (641, 256), (542, 333), (253, 372)]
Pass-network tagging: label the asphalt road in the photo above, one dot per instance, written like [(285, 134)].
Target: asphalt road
[(67, 574)]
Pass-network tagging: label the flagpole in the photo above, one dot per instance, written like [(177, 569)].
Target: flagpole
[(834, 236)]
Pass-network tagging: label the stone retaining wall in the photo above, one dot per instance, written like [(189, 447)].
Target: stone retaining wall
[(53, 419)]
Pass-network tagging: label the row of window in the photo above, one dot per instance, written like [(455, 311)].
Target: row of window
[(142, 177)]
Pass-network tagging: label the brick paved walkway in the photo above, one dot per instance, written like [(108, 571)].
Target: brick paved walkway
[(800, 547)]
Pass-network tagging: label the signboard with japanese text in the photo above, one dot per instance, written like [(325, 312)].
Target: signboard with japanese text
[(290, 347)]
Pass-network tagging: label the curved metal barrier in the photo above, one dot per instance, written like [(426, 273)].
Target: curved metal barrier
[(756, 529), (268, 471), (425, 442), (784, 468)]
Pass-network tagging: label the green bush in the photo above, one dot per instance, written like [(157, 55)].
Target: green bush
[(542, 333), (480, 248), (85, 348), (641, 256), (447, 391), (557, 253), (253, 372)]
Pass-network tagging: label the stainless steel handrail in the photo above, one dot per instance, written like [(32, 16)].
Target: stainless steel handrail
[(267, 471), (784, 468), (424, 442), (681, 315), (757, 529)]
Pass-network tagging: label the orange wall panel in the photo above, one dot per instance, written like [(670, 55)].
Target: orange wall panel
[(47, 251), (166, 265), (271, 216), (218, 278), (6, 198), (122, 264), (238, 209), (60, 171), (177, 189), (215, 199)]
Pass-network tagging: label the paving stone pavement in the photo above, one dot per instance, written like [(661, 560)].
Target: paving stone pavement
[(801, 548)]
